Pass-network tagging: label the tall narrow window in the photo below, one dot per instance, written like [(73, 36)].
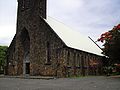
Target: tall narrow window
[(78, 60), (82, 64), (48, 53), (68, 58), (25, 4), (74, 60)]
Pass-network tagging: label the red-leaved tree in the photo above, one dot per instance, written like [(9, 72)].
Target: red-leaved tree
[(111, 43)]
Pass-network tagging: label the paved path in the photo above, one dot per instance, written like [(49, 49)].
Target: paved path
[(86, 83)]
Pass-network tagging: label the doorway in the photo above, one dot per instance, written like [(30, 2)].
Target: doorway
[(27, 68), (25, 41)]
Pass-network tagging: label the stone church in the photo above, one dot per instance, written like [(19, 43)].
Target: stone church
[(43, 46)]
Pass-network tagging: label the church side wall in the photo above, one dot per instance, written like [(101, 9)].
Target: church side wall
[(80, 63)]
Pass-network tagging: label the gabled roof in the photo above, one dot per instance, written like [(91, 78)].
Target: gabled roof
[(73, 38)]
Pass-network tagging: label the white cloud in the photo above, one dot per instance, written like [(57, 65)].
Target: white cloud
[(8, 15), (90, 17), (8, 10), (6, 34), (70, 4), (64, 7), (93, 13)]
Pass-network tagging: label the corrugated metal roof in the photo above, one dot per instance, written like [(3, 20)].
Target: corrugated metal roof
[(73, 38)]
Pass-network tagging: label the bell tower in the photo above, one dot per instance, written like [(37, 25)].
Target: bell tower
[(38, 6)]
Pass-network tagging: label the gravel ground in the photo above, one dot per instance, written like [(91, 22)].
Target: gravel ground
[(83, 83)]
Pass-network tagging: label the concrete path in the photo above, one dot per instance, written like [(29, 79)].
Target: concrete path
[(83, 83), (28, 77)]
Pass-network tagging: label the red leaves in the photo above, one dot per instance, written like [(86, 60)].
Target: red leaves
[(116, 27), (108, 35), (101, 39), (105, 36)]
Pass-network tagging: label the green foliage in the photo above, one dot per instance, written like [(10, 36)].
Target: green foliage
[(3, 50)]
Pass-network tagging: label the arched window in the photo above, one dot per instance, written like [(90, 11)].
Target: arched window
[(25, 40)]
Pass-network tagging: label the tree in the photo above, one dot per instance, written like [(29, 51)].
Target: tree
[(3, 50), (111, 43)]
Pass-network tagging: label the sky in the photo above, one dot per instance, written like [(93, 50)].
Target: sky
[(89, 17)]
